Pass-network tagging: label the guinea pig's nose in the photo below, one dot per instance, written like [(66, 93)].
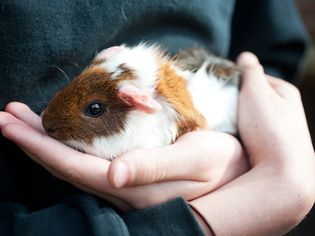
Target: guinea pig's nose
[(51, 130)]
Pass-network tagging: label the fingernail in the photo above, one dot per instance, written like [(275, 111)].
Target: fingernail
[(120, 177)]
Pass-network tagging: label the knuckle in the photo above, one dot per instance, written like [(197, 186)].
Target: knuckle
[(161, 171), (291, 89), (155, 171), (203, 173), (205, 145), (295, 91), (5, 117)]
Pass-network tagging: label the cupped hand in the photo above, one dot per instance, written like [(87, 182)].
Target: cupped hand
[(194, 166), (201, 156), (271, 118), (279, 190)]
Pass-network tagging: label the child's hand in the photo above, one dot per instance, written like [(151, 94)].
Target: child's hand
[(272, 122), (195, 165), (202, 156), (279, 190)]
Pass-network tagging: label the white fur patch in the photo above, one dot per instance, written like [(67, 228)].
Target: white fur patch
[(215, 99), (142, 130), (141, 59)]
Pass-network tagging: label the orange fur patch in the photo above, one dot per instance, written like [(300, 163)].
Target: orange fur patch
[(174, 88)]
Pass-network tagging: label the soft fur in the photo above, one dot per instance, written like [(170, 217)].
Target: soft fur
[(189, 99)]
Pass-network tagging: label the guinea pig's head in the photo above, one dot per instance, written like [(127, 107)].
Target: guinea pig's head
[(95, 105), (88, 106)]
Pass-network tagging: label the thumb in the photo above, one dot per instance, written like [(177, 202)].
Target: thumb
[(253, 76), (189, 158), (140, 167)]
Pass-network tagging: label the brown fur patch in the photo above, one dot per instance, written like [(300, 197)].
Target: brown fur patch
[(224, 70), (65, 115), (96, 62), (174, 88)]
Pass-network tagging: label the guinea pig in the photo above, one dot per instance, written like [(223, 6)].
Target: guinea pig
[(140, 98)]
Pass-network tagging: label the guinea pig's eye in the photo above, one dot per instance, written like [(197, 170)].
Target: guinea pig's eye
[(95, 109)]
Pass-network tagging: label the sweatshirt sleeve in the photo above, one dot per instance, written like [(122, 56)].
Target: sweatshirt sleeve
[(33, 202), (273, 30), (172, 218), (84, 214)]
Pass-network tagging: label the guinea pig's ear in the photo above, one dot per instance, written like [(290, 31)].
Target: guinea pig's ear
[(109, 52), (138, 99)]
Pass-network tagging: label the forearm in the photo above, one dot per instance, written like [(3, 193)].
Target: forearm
[(264, 201)]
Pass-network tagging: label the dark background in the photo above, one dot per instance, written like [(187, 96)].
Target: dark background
[(307, 88)]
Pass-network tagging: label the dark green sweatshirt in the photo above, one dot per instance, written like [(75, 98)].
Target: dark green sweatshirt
[(36, 36)]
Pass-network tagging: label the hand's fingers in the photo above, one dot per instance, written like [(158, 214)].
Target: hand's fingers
[(73, 166), (90, 173), (24, 113), (283, 88), (6, 118), (187, 159), (254, 79)]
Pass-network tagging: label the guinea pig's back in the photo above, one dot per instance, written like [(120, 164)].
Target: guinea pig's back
[(214, 88)]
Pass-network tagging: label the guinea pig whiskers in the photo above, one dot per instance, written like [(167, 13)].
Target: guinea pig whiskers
[(41, 105), (63, 72)]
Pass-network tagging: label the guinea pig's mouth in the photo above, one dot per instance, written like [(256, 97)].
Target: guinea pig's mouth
[(52, 131), (57, 132), (49, 127)]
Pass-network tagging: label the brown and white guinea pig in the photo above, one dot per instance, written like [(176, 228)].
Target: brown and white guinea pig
[(138, 97)]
